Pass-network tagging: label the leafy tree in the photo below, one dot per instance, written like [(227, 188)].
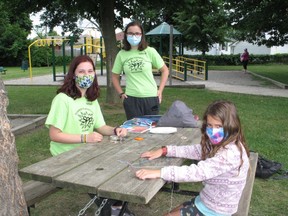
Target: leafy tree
[(153, 13), (66, 12), (14, 30), (202, 22), (261, 21)]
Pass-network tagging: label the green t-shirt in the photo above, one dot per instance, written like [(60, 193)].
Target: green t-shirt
[(137, 66), (71, 116)]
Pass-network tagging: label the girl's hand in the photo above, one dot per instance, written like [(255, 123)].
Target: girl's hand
[(122, 132), (148, 174), (94, 137), (152, 154)]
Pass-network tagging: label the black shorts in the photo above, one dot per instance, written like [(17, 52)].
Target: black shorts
[(136, 107)]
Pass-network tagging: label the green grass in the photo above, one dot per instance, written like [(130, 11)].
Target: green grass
[(17, 72), (277, 72), (264, 120)]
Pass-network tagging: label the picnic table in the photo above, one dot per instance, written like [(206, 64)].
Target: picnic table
[(107, 169)]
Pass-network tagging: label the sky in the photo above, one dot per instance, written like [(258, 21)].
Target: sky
[(85, 24), (89, 29)]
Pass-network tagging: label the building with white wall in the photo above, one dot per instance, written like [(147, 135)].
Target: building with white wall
[(238, 47)]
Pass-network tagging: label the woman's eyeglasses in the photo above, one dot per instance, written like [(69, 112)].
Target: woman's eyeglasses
[(137, 34)]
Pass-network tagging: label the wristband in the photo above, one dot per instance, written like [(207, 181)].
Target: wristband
[(120, 95), (115, 132), (164, 150)]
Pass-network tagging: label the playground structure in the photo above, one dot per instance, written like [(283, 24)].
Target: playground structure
[(184, 68), (92, 47)]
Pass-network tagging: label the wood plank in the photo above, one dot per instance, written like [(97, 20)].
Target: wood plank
[(47, 169), (103, 168), (35, 191), (244, 203), (107, 165), (125, 186)]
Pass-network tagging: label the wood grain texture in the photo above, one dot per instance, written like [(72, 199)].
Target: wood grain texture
[(108, 169)]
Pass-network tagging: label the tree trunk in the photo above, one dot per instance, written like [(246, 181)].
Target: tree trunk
[(12, 201), (108, 30)]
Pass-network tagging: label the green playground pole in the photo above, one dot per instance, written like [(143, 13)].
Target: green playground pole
[(101, 54), (64, 57), (53, 60)]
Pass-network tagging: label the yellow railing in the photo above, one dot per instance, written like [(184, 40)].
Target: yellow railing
[(184, 68)]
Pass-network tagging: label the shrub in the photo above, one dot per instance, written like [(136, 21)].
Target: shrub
[(235, 60)]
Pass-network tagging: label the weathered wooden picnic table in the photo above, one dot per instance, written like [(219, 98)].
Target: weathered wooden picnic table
[(107, 169)]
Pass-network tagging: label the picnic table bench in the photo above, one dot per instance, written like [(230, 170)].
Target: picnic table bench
[(35, 191)]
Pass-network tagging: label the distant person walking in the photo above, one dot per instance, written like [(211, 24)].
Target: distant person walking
[(244, 58)]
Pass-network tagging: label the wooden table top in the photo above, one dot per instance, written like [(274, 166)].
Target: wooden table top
[(103, 168)]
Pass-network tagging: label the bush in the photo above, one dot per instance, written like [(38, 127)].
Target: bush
[(235, 59), (42, 57)]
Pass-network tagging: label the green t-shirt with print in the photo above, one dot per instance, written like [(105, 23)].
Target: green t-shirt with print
[(137, 66), (71, 116)]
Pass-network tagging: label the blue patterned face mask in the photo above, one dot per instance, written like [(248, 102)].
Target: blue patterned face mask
[(216, 135), (134, 40), (84, 81)]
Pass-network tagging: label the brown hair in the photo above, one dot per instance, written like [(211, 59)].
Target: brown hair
[(142, 45), (69, 86), (226, 112)]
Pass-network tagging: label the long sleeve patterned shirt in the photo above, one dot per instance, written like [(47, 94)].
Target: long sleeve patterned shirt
[(223, 181)]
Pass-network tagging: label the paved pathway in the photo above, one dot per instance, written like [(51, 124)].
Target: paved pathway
[(226, 81)]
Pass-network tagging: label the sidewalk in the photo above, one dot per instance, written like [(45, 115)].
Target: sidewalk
[(225, 81)]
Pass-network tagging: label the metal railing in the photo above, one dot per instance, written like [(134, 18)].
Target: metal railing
[(187, 68)]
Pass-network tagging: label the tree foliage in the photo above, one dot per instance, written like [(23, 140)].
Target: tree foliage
[(261, 21), (66, 13), (14, 30), (203, 23)]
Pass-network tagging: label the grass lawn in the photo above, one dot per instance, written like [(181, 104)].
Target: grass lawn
[(17, 72), (278, 72), (264, 120)]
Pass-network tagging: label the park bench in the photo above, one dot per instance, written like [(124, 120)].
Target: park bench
[(35, 191), (2, 70)]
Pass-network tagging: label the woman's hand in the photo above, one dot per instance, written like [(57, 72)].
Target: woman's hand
[(159, 94), (152, 154), (123, 96), (94, 137), (148, 174)]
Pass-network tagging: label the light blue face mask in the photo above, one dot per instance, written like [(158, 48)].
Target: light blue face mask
[(133, 40), (84, 81)]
